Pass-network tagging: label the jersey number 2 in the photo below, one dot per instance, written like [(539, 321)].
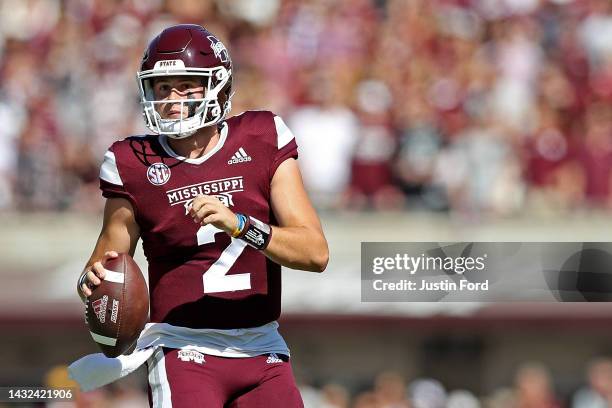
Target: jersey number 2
[(215, 278)]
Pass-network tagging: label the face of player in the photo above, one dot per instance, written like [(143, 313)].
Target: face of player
[(175, 88)]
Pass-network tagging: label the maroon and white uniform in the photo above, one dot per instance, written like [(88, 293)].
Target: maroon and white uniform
[(212, 296), (200, 277)]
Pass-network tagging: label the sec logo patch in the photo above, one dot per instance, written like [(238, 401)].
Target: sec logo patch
[(158, 174)]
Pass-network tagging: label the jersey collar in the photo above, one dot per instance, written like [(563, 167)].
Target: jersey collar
[(163, 140)]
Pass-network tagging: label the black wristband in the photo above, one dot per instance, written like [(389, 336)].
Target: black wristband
[(256, 233)]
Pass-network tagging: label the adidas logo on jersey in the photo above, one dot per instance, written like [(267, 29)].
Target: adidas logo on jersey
[(239, 157)]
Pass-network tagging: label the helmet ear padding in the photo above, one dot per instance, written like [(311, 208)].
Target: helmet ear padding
[(225, 95)]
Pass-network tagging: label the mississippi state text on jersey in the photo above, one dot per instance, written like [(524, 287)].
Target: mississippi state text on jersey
[(199, 277)]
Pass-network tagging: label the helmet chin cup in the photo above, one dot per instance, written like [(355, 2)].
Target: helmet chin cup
[(183, 135), (216, 111)]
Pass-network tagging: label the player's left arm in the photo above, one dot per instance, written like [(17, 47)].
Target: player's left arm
[(298, 241)]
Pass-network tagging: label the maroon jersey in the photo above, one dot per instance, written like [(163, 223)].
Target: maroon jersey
[(199, 277)]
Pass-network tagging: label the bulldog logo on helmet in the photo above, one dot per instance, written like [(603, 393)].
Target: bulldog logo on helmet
[(219, 49)]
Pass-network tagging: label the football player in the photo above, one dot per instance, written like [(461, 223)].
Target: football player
[(220, 205)]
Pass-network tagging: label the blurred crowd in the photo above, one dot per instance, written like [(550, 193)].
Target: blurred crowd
[(532, 387), (472, 106)]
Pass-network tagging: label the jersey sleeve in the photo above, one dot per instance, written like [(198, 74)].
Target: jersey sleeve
[(111, 183), (286, 146)]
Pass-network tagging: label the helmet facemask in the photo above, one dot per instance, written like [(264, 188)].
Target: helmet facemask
[(202, 112)]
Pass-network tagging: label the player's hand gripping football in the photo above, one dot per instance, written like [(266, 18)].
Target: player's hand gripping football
[(209, 210), (95, 274)]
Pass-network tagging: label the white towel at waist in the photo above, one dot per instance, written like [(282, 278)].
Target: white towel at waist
[(97, 370)]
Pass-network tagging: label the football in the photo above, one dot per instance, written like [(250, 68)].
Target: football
[(118, 308)]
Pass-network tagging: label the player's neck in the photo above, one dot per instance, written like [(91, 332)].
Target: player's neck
[(197, 145)]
